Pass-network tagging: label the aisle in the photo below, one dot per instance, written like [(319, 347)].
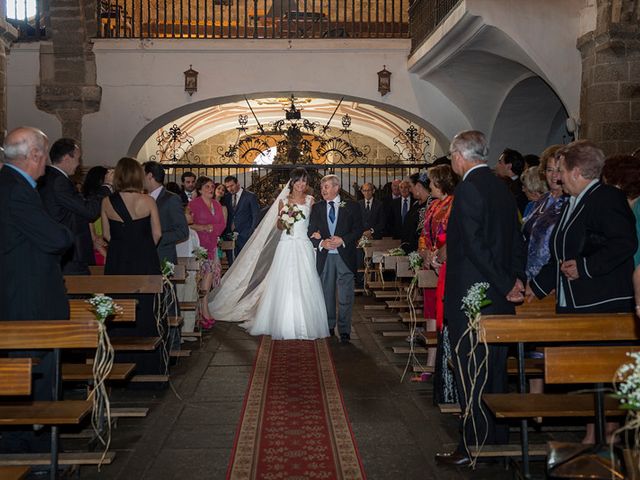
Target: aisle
[(293, 423), (395, 425)]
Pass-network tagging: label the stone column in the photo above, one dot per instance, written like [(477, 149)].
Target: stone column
[(610, 96), (68, 86)]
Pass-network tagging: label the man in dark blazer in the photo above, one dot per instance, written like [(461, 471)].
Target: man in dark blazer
[(31, 244), (484, 244), (66, 205), (243, 211), (374, 223), (339, 223), (188, 188), (398, 212), (593, 243), (172, 218), (510, 166)]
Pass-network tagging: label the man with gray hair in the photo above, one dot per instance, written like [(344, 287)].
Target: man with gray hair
[(484, 244), (339, 224), (32, 286)]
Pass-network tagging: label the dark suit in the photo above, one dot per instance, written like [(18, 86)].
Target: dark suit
[(409, 233), (66, 205), (395, 222), (174, 225), (32, 287), (375, 219), (600, 235), (243, 218), (184, 198), (484, 244), (515, 186), (337, 273)]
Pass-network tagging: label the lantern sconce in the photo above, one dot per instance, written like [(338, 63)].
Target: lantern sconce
[(190, 81), (384, 81)]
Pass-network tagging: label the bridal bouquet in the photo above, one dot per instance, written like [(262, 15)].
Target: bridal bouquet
[(289, 215)]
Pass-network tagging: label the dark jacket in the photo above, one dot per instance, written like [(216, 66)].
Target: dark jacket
[(244, 217), (67, 206), (600, 235), (349, 227), (31, 243), (375, 219), (173, 223), (484, 244), (394, 220)]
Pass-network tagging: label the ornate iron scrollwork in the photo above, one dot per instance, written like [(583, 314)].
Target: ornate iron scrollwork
[(412, 145), (175, 146)]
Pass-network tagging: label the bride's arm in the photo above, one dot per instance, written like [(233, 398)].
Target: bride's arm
[(279, 224)]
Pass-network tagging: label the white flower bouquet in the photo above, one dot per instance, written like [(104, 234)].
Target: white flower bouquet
[(103, 307), (289, 215), (200, 253), (415, 261), (628, 383), (396, 252), (167, 268)]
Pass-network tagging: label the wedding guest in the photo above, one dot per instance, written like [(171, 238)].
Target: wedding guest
[(484, 244), (243, 209), (531, 160), (534, 187), (593, 242), (545, 213), (414, 220), (442, 183), (209, 223), (131, 226), (33, 286), (95, 178), (374, 223), (509, 167), (623, 172), (66, 205), (399, 209), (188, 180)]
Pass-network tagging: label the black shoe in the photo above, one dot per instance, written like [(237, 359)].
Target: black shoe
[(345, 338), (454, 459)]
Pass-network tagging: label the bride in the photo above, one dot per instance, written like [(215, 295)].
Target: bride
[(273, 286)]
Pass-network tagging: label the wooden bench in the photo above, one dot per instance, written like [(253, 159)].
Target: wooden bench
[(42, 335), (549, 328), (82, 310), (124, 285), (14, 473)]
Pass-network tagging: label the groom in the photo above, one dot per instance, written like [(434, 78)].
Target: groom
[(340, 225)]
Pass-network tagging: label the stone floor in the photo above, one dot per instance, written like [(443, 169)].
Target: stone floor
[(189, 432)]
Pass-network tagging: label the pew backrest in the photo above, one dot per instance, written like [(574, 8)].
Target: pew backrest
[(81, 310), (585, 364), (15, 376), (112, 284), (48, 334)]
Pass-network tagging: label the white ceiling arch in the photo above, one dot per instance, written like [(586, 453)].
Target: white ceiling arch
[(216, 116)]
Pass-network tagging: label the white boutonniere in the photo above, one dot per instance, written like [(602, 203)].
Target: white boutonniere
[(342, 204)]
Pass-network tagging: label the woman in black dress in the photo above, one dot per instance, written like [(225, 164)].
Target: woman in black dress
[(131, 226)]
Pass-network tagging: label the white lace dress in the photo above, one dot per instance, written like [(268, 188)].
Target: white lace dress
[(292, 303)]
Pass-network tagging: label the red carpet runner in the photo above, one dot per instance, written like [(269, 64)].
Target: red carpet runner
[(294, 424)]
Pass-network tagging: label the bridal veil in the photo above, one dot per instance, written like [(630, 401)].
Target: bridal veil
[(236, 298)]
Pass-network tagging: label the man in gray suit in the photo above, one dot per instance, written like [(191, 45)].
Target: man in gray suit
[(172, 218), (174, 228)]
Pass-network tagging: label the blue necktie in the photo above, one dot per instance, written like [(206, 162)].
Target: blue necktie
[(405, 207), (332, 212)]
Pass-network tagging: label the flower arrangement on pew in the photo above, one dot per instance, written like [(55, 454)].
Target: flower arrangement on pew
[(477, 373), (396, 252), (163, 304), (103, 307), (415, 263), (289, 215), (627, 387)]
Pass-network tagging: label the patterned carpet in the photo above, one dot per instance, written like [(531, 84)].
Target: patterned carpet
[(294, 424)]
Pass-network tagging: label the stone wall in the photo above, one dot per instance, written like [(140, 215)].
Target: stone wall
[(610, 95)]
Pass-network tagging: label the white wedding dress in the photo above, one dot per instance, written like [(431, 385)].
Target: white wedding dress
[(273, 287), (292, 304)]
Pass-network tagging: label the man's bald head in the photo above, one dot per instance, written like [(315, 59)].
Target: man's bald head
[(26, 148)]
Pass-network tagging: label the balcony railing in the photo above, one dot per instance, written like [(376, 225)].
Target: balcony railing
[(253, 19), (425, 16)]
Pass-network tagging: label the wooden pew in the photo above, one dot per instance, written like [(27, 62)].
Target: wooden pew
[(121, 284), (42, 335), (82, 310), (552, 328), (179, 272)]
